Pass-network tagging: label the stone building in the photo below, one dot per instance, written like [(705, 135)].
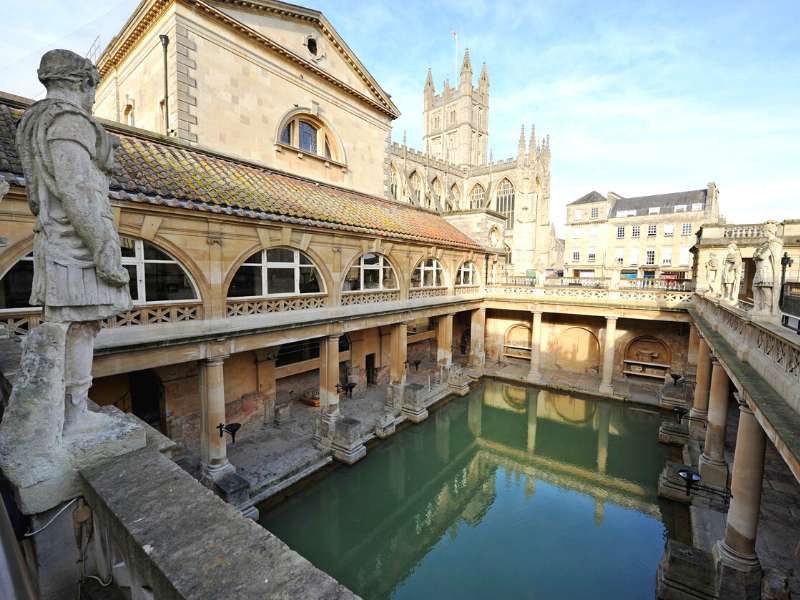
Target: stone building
[(641, 237)]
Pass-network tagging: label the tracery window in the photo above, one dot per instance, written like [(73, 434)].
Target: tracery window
[(394, 186), (467, 274), (505, 202), (307, 134), (370, 272), (276, 272), (154, 275), (429, 273), (477, 196), (455, 198), (416, 187), (438, 193)]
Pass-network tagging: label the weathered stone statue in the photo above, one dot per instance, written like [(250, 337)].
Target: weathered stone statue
[(78, 277), (731, 275), (712, 275), (768, 268)]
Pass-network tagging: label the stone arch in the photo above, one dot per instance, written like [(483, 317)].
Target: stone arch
[(517, 341), (477, 196), (446, 274), (647, 348), (338, 153), (355, 261), (576, 349)]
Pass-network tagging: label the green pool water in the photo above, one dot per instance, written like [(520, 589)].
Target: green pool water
[(510, 492)]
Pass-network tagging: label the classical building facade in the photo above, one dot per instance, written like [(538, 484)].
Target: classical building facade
[(641, 237)]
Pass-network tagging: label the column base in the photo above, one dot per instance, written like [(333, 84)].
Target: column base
[(672, 433), (685, 573), (413, 403), (607, 389), (738, 576), (697, 424), (714, 473)]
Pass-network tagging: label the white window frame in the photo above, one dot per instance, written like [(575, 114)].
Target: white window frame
[(621, 233), (295, 264), (654, 210), (633, 260), (666, 257), (383, 263), (669, 230), (591, 255), (438, 274), (468, 271), (697, 206), (595, 212), (685, 256), (576, 256), (619, 256), (680, 208), (139, 261), (577, 214), (635, 231), (686, 229), (652, 230), (647, 254)]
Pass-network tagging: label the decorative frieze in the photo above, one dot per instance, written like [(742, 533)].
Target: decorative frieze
[(351, 298)]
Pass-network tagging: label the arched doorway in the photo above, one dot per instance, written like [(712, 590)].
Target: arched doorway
[(147, 398)]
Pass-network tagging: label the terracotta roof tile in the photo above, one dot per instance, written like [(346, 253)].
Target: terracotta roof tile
[(161, 172)]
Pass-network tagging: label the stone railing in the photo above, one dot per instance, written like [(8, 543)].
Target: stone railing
[(467, 290), (427, 292), (647, 298), (744, 231), (587, 282), (260, 306), (369, 297), (20, 321), (657, 283)]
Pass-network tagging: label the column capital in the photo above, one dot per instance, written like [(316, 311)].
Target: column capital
[(612, 317), (334, 336), (215, 360)]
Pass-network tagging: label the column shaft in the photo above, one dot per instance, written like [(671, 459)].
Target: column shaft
[(702, 380), (608, 355), (329, 374), (398, 342), (536, 342), (477, 334), (213, 447), (712, 465), (444, 340)]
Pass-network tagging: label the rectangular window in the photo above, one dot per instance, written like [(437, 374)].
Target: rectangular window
[(666, 256), (686, 229), (620, 256), (576, 256), (634, 258), (651, 231), (577, 214), (680, 208), (635, 232), (684, 256), (650, 256), (595, 212), (592, 255), (697, 206), (620, 233), (653, 210), (669, 230)]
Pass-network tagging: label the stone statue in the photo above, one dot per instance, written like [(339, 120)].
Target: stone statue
[(67, 158), (768, 268), (712, 271), (731, 275)]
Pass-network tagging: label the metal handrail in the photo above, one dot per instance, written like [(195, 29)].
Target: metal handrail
[(15, 578)]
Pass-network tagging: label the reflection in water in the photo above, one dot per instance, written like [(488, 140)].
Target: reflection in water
[(509, 493)]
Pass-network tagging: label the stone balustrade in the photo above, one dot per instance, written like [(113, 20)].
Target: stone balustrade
[(427, 292), (657, 283), (260, 306), (369, 297), (467, 290), (644, 298), (744, 231), (587, 282)]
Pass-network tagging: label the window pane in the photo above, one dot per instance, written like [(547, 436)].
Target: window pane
[(304, 260), (389, 280), (416, 278), (166, 282), (372, 279), (128, 247), (280, 255), (286, 134), (371, 259), (246, 282), (308, 137), (309, 281), (430, 262), (133, 286), (280, 281), (255, 259), (15, 288), (153, 253), (352, 281), (428, 279)]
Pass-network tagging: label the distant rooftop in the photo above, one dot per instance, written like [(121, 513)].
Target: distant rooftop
[(665, 202), (589, 198)]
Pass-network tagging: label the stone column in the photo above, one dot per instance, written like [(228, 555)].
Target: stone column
[(738, 549), (265, 378), (602, 436), (477, 335), (444, 340), (694, 342), (398, 343), (535, 375), (533, 414), (713, 468), (329, 375), (699, 410), (606, 385), (213, 447)]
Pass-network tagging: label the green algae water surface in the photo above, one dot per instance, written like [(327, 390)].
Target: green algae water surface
[(510, 492)]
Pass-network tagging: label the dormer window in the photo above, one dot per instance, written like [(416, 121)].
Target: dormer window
[(654, 210)]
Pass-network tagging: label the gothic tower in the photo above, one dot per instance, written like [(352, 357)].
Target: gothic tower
[(457, 120)]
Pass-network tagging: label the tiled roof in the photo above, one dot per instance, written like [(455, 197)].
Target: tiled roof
[(173, 174), (666, 202), (589, 198)]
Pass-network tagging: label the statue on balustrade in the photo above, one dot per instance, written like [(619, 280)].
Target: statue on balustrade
[(768, 271), (78, 278), (712, 276), (731, 275)]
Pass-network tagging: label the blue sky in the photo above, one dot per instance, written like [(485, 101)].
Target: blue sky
[(638, 97)]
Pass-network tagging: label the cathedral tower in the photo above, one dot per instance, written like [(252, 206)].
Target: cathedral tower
[(457, 120)]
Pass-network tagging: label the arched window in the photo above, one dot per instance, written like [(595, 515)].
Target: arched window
[(477, 196), (505, 202), (467, 274), (455, 197), (438, 195), (370, 272), (127, 114), (155, 277), (276, 272), (416, 187), (429, 273), (308, 134), (394, 185)]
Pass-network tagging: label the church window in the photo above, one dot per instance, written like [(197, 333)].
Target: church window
[(416, 187), (477, 196), (276, 272), (371, 272), (505, 202), (394, 186), (128, 115), (455, 197), (467, 274), (438, 192), (452, 117), (429, 273), (327, 148)]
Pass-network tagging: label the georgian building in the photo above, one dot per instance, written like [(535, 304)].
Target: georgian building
[(642, 237)]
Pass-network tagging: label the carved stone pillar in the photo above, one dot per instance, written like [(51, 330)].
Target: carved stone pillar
[(444, 340), (606, 385), (699, 410), (535, 375), (329, 375), (265, 374), (694, 341), (398, 342), (477, 335), (738, 549), (213, 446), (713, 468)]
